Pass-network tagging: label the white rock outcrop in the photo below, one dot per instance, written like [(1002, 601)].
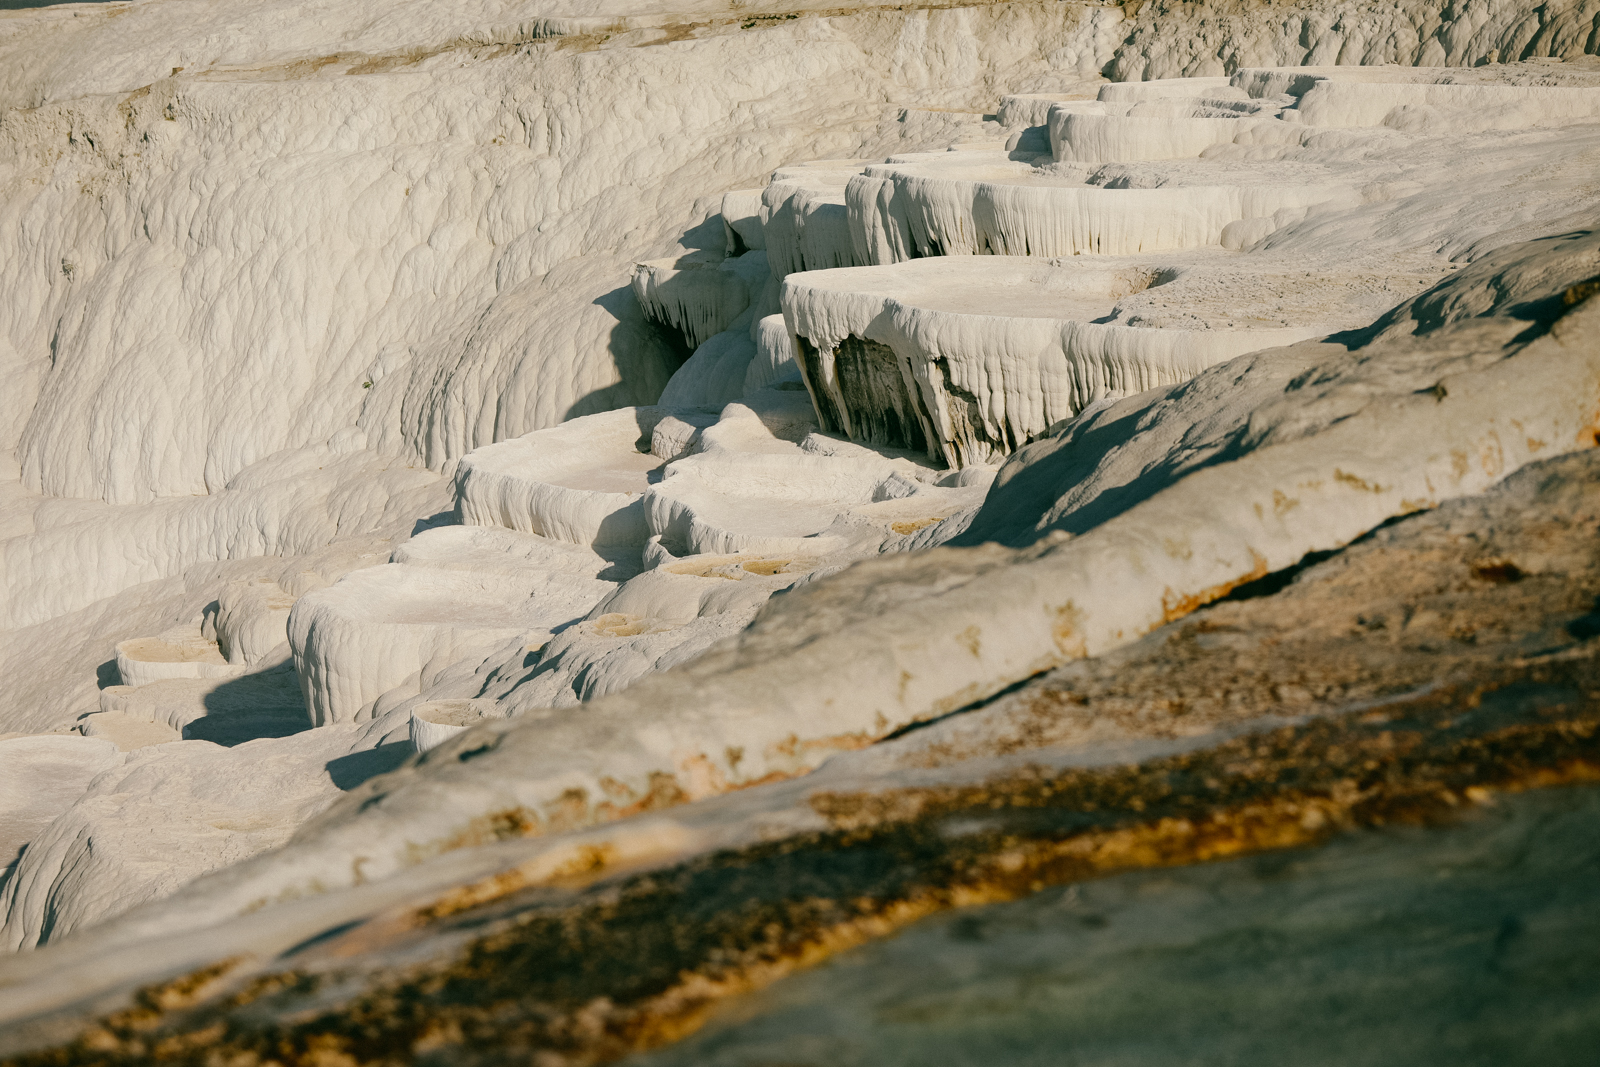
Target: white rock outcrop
[(1246, 469), (371, 631), (967, 358), (582, 482), (399, 374)]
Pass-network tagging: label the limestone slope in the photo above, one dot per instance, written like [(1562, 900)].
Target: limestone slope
[(1354, 437), (1405, 678), (625, 544), (234, 251), (265, 263), (449, 450)]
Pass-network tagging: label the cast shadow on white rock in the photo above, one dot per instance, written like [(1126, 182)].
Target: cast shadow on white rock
[(348, 772), (229, 712), (639, 378), (1118, 453)]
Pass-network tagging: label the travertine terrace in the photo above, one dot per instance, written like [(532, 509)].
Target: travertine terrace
[(460, 453)]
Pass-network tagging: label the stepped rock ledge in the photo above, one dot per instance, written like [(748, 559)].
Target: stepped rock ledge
[(736, 532)]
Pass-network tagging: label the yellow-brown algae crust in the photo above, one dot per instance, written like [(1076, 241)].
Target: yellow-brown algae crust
[(585, 977), (1174, 606)]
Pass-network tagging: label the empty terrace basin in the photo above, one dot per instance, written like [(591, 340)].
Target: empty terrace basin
[(433, 722), (143, 660), (969, 358), (580, 482), (968, 206), (487, 549), (748, 491), (377, 628), (1163, 128)]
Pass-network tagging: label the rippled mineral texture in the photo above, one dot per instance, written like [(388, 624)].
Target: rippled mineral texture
[(753, 533)]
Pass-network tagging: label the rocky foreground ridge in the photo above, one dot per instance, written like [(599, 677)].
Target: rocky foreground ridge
[(516, 541)]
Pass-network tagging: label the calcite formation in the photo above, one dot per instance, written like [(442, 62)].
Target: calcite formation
[(1213, 737), (456, 453), (914, 355)]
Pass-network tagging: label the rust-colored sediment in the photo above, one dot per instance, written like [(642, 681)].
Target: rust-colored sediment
[(585, 977), (1176, 606)]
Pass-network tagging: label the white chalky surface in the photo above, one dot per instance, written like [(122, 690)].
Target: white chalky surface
[(378, 377)]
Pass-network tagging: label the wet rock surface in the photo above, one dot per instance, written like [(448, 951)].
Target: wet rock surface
[(1422, 947)]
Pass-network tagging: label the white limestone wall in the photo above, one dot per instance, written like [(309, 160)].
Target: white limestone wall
[(906, 214), (204, 269), (399, 217), (988, 383), (220, 249), (697, 299)]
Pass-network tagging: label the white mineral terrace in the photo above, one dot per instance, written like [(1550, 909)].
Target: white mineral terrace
[(968, 358), (361, 637), (580, 482), (1000, 208), (761, 481), (153, 659), (692, 498)]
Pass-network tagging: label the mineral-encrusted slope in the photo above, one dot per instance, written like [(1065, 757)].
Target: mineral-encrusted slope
[(349, 429)]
